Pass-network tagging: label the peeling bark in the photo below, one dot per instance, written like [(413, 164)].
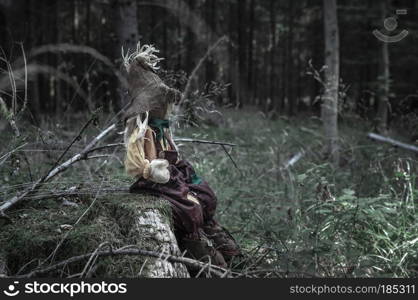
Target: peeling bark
[(139, 221), (152, 225)]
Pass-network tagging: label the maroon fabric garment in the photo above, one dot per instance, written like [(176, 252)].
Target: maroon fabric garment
[(188, 216)]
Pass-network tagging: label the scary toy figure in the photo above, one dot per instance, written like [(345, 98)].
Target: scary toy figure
[(152, 158)]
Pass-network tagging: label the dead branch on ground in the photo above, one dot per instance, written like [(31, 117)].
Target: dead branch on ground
[(393, 142), (131, 251), (55, 171)]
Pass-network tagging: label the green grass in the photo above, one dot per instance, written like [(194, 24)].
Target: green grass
[(38, 229), (358, 220), (368, 227)]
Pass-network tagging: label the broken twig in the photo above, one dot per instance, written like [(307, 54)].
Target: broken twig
[(293, 160), (230, 157)]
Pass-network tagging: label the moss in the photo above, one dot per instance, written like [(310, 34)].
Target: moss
[(36, 232)]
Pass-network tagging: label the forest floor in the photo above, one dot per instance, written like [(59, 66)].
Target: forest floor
[(310, 218), (306, 219)]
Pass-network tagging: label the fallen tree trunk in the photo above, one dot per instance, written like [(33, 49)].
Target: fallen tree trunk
[(142, 223), (152, 224), (293, 160), (393, 142)]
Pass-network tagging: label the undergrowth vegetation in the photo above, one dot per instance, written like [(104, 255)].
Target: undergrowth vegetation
[(292, 212), (310, 219)]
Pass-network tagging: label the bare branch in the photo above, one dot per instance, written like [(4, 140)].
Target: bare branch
[(177, 140), (230, 157), (7, 155), (131, 251), (393, 142), (187, 140), (80, 156), (199, 64)]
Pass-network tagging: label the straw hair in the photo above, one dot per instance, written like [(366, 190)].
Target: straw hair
[(145, 54)]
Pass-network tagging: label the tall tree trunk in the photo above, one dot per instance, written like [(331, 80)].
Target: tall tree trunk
[(59, 100), (3, 265), (179, 43), (4, 37), (272, 64), (153, 35), (191, 45), (75, 20), (250, 78), (290, 93), (127, 27), (165, 35), (88, 5), (383, 81), (329, 108), (242, 95), (232, 69), (127, 33), (211, 20), (192, 21)]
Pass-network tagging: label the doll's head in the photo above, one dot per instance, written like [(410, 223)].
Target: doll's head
[(147, 92)]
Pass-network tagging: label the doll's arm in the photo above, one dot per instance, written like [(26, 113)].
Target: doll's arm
[(135, 162), (159, 172), (138, 166)]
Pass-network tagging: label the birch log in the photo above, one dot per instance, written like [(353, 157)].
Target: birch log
[(152, 225)]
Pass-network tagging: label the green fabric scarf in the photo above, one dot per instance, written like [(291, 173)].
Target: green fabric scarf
[(158, 125), (196, 179)]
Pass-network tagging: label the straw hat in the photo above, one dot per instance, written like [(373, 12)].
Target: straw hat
[(147, 92)]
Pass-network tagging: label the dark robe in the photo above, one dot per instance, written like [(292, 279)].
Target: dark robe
[(188, 215)]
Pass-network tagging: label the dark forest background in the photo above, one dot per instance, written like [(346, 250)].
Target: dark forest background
[(266, 54), (316, 117)]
